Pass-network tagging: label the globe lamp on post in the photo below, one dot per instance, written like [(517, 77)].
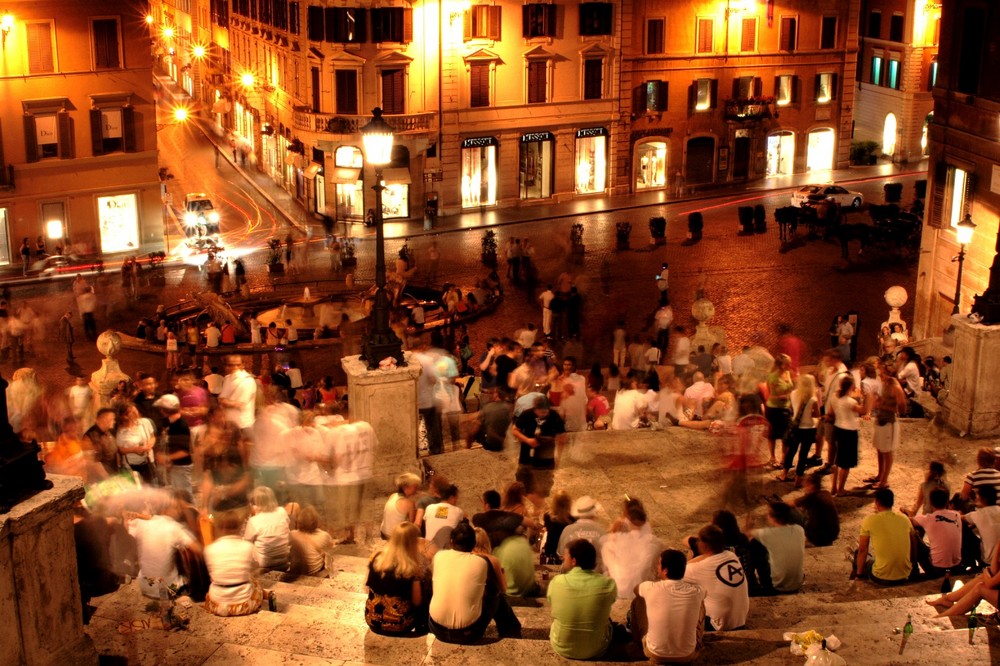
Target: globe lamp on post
[(382, 342), (963, 230)]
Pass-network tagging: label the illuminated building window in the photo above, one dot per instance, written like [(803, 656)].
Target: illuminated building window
[(47, 134), (703, 94), (479, 82), (118, 222), (828, 33), (293, 18), (596, 18), (896, 28), (705, 36), (393, 90), (655, 29), (482, 22), (344, 25), (396, 178), (875, 25), (112, 130), (748, 34), (41, 58), (350, 190), (892, 74), (479, 172), (652, 167), (106, 54), (4, 238), (591, 160), (392, 24), (958, 193), (536, 165), (745, 87), (932, 75), (650, 97), (785, 90), (876, 70), (826, 87), (538, 20), (788, 35), (593, 78), (347, 91), (53, 218), (538, 81)]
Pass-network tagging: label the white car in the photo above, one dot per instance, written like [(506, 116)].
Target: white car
[(814, 193), (200, 216)]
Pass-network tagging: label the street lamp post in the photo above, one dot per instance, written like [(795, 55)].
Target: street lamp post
[(381, 342), (964, 231)]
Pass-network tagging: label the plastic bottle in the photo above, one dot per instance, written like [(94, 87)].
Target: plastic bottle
[(166, 605)]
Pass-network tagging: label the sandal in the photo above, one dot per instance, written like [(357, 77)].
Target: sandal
[(785, 479)]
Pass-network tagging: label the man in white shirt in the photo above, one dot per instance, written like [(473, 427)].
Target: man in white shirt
[(833, 370), (630, 405), (682, 352), (238, 395), (742, 363), (698, 393), (212, 335), (573, 405), (943, 534), (425, 395), (668, 615), (466, 594), (664, 319), (442, 518), (353, 448), (721, 574), (545, 298), (663, 283), (779, 551), (526, 336), (157, 541), (986, 520)]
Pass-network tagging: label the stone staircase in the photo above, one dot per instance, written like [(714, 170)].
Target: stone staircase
[(321, 620)]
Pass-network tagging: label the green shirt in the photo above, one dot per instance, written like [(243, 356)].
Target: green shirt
[(581, 613), (777, 384), (518, 562)]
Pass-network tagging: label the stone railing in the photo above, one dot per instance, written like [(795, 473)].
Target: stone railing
[(750, 108), (336, 123)]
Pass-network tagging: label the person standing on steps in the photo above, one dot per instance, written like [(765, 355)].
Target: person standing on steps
[(66, 335)]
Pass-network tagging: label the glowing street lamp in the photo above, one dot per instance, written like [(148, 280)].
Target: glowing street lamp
[(963, 230), (149, 19), (6, 25), (180, 114), (382, 342), (198, 51), (247, 79), (168, 32)]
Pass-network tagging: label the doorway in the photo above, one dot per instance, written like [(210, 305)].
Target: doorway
[(780, 154), (819, 153), (741, 158), (700, 160)]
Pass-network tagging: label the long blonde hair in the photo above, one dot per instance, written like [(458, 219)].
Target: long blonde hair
[(483, 542), (400, 555), (806, 389)]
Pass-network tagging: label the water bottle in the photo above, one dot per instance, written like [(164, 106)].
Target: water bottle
[(946, 583), (165, 605)]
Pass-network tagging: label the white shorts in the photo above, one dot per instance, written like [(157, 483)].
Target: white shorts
[(886, 437)]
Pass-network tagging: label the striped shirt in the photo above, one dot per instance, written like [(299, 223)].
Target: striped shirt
[(985, 476)]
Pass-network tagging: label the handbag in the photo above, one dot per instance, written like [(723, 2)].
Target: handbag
[(791, 437)]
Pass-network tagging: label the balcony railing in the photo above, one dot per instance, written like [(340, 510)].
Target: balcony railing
[(749, 108), (336, 123)]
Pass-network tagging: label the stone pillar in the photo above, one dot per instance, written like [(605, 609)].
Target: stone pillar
[(973, 403), (387, 399), (40, 609)]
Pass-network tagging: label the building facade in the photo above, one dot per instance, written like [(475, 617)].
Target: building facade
[(77, 129), (506, 103), (897, 67), (964, 173)]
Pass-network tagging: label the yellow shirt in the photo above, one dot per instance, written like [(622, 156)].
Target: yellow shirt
[(889, 532)]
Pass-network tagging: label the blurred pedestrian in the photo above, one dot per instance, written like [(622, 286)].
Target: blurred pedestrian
[(66, 335)]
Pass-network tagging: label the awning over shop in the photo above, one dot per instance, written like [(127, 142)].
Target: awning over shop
[(313, 169), (345, 175), (396, 176)]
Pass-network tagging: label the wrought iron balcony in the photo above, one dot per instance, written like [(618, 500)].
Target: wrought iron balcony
[(748, 108), (335, 123)]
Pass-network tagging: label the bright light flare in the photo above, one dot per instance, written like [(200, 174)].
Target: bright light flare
[(180, 114), (149, 19), (168, 32), (247, 79), (198, 51), (7, 22)]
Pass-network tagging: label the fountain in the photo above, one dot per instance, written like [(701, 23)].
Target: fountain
[(308, 312)]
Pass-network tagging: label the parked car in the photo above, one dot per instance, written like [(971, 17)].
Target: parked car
[(808, 194), (200, 216)]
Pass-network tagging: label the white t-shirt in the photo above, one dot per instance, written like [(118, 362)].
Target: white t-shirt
[(240, 387), (909, 377), (353, 447), (682, 351), (426, 380), (653, 356), (944, 535), (307, 446), (268, 532), (727, 602), (212, 336), (698, 393), (439, 516), (664, 318), (156, 540), (230, 562), (845, 417), (674, 612), (725, 362), (574, 407), (806, 421), (80, 400), (987, 522), (628, 405), (630, 558), (459, 582), (270, 430), (786, 549)]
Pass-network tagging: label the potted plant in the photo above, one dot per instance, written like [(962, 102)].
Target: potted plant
[(576, 238), (274, 263), (622, 232), (489, 248), (658, 230), (696, 225), (347, 259)]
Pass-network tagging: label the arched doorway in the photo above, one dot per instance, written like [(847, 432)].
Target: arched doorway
[(780, 154), (700, 160), (651, 165), (889, 135), (819, 151)]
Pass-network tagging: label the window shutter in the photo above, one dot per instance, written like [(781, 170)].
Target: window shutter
[(970, 188), (692, 95), (777, 86), (758, 87), (550, 20), (128, 129), (3, 162), (479, 80), (833, 86), (96, 135), (331, 24), (40, 60), (736, 88), (639, 100), (467, 24), (65, 135), (793, 26), (816, 87), (714, 92), (796, 85), (493, 24), (526, 20), (407, 25), (936, 218), (661, 95), (315, 24), (748, 34), (360, 25), (30, 139)]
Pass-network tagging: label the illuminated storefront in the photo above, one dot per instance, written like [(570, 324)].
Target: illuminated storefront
[(820, 151), (780, 154), (243, 125), (651, 170), (4, 238), (536, 165), (118, 223), (479, 172), (349, 184), (591, 160)]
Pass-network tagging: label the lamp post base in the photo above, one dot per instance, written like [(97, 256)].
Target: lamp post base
[(381, 345)]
